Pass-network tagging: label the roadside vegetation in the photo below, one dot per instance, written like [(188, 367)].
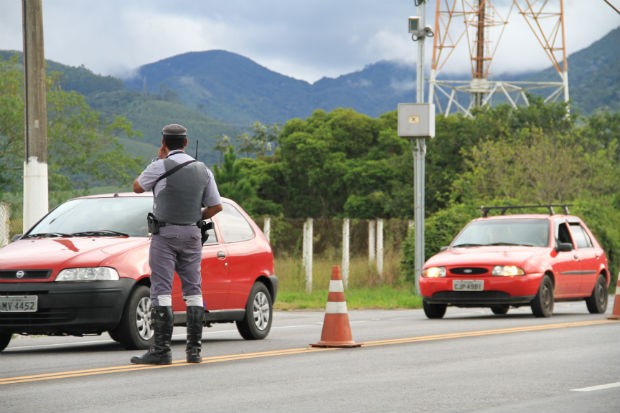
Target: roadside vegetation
[(345, 164)]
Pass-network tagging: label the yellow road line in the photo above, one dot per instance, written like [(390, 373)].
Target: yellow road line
[(293, 351), (136, 367), (480, 333)]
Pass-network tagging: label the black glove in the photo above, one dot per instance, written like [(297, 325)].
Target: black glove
[(204, 227)]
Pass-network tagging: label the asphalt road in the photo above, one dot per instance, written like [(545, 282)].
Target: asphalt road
[(470, 361)]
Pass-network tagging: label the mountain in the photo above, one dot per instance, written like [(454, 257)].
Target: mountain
[(593, 75), (217, 93), (147, 113), (239, 91)]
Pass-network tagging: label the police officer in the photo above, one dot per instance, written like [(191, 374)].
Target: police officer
[(178, 202)]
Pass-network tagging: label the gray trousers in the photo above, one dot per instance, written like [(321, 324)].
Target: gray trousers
[(176, 248)]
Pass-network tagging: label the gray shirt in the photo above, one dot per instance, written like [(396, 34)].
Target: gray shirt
[(147, 178)]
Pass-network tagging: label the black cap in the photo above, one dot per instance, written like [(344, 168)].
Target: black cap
[(174, 129)]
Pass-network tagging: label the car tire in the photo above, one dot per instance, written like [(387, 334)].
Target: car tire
[(258, 314), (597, 302), (542, 304), (500, 309), (434, 311), (135, 330), (5, 339)]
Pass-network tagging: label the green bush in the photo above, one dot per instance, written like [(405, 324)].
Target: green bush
[(439, 229)]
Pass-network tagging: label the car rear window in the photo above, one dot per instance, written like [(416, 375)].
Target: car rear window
[(233, 225), (581, 237)]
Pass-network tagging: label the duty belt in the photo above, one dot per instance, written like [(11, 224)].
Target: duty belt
[(163, 224)]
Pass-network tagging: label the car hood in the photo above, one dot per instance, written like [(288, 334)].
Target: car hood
[(58, 253), (485, 256)]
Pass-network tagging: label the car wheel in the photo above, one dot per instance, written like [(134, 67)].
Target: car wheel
[(258, 314), (542, 304), (5, 338), (500, 309), (135, 331), (597, 302), (434, 310)]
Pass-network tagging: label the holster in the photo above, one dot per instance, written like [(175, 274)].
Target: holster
[(153, 223)]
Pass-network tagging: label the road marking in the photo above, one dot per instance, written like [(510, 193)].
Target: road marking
[(480, 333), (599, 387), (136, 367), (294, 351)]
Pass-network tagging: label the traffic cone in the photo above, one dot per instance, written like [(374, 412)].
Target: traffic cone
[(615, 315), (336, 327)]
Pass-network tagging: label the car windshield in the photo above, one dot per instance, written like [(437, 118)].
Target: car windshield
[(115, 216), (519, 231)]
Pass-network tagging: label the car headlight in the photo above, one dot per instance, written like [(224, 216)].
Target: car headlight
[(507, 271), (434, 272), (88, 274)]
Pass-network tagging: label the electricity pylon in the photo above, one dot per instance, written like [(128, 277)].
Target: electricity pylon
[(481, 33)]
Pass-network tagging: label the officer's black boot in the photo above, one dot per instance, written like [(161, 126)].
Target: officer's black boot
[(195, 315), (159, 353)]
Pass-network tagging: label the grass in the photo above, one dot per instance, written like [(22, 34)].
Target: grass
[(366, 289), (384, 297)]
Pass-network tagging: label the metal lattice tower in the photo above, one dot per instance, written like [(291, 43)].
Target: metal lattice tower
[(481, 33)]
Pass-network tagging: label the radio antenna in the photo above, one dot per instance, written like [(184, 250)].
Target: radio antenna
[(196, 157)]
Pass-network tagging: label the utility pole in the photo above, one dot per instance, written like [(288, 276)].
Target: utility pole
[(419, 160), (35, 116), (417, 122)]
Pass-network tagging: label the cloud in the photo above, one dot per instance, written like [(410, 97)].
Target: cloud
[(306, 40)]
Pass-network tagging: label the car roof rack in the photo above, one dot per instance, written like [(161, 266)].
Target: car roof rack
[(486, 209)]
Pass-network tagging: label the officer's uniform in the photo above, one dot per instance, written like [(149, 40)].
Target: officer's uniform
[(178, 200), (177, 204)]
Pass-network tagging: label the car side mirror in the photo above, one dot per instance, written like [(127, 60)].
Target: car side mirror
[(564, 247), (16, 237)]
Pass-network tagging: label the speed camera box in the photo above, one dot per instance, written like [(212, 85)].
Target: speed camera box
[(416, 120)]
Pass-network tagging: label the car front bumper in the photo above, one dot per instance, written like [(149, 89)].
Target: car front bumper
[(518, 290), (477, 298), (72, 308)]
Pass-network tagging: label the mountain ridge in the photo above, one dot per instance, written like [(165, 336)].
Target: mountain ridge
[(218, 92)]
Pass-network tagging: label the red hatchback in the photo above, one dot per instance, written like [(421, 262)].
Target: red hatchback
[(83, 269), (515, 260)]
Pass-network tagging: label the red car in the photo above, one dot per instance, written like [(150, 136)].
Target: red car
[(83, 269), (515, 260)]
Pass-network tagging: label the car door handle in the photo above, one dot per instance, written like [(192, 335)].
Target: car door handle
[(221, 254)]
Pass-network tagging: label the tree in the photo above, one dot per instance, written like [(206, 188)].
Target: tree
[(340, 163), (83, 148), (11, 125), (230, 181), (260, 142)]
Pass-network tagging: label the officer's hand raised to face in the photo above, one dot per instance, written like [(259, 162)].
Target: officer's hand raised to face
[(163, 152)]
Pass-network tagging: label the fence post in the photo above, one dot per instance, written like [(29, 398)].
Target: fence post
[(380, 248), (307, 253), (346, 233), (371, 242), (267, 228), (5, 213)]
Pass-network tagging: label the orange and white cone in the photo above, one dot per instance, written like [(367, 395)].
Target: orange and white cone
[(336, 328), (615, 314)]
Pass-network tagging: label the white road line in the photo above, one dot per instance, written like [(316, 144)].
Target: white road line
[(599, 387)]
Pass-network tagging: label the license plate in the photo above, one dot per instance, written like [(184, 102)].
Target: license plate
[(18, 303), (468, 285)]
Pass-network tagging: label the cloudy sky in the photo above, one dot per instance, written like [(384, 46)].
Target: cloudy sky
[(304, 39)]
